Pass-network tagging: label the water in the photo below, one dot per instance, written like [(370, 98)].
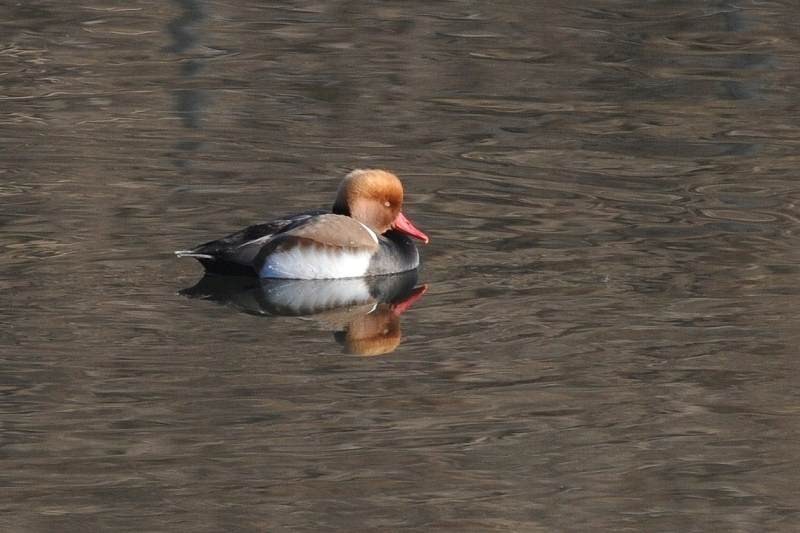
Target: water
[(608, 341)]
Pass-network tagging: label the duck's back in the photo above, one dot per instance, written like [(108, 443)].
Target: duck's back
[(235, 253)]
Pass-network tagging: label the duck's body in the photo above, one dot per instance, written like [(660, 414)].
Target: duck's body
[(366, 235)]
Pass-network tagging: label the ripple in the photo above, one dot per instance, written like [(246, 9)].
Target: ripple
[(587, 161), (610, 325), (738, 216)]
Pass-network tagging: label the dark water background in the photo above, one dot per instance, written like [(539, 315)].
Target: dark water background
[(609, 341)]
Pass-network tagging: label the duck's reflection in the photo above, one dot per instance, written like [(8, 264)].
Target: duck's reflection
[(363, 313)]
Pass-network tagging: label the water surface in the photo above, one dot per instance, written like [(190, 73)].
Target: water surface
[(609, 337)]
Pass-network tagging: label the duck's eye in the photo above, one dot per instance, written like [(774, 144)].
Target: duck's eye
[(387, 204)]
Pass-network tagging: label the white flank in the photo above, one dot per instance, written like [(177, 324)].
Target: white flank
[(316, 263)]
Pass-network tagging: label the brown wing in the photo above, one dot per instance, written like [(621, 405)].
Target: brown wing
[(336, 230)]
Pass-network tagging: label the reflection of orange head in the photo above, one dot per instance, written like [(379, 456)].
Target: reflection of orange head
[(378, 332), (374, 334)]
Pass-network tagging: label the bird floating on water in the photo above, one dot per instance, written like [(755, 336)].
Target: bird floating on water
[(366, 234)]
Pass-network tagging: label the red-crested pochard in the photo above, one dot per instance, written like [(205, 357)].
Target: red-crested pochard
[(365, 235)]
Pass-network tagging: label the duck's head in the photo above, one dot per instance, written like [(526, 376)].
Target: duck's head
[(375, 198)]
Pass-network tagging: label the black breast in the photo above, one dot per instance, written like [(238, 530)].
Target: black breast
[(396, 253)]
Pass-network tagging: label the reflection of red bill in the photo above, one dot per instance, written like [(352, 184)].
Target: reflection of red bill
[(401, 307), (402, 224)]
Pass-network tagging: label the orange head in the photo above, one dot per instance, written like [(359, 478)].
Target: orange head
[(375, 198)]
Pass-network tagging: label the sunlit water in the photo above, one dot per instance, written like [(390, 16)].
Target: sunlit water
[(609, 337)]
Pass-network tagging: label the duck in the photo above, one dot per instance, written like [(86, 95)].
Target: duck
[(364, 234)]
